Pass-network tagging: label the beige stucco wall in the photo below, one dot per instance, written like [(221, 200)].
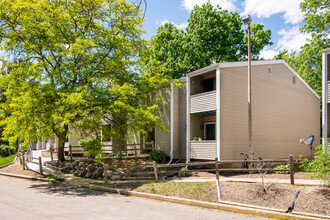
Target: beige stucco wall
[(283, 112)]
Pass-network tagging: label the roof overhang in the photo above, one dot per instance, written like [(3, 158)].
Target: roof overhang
[(253, 63), (327, 50)]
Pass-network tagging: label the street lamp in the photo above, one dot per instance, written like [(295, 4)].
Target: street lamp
[(247, 20)]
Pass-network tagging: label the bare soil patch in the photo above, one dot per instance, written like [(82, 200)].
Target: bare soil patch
[(312, 199)]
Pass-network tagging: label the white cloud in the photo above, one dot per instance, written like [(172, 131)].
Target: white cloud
[(268, 54), (225, 4), (265, 9), (179, 26), (292, 39)]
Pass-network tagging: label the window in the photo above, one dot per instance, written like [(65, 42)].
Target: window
[(209, 131), (67, 139), (106, 132), (209, 85)]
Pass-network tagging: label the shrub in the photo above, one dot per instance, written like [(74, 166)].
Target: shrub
[(185, 172), (320, 166), (123, 153), (92, 145), (296, 166), (157, 155), (6, 150)]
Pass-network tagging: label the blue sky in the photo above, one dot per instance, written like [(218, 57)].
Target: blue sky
[(283, 17)]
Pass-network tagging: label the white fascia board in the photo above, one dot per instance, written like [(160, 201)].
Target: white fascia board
[(327, 50), (253, 63), (203, 70)]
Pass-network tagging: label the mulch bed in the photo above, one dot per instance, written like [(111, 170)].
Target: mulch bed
[(312, 199)]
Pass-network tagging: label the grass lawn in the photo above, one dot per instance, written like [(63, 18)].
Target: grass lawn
[(6, 160)]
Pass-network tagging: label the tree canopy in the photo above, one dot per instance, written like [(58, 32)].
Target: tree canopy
[(212, 35), (71, 64), (308, 60)]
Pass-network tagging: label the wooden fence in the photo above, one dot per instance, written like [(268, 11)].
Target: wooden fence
[(107, 149), (176, 168), (24, 158)]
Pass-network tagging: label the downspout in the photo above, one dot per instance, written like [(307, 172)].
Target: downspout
[(188, 120), (324, 101), (218, 112), (171, 123)]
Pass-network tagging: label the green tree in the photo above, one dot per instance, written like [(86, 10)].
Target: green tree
[(74, 58), (212, 35), (316, 17), (308, 60)]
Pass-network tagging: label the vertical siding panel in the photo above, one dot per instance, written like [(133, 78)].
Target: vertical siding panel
[(283, 112)]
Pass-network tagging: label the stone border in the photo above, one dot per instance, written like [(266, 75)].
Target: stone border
[(225, 206)]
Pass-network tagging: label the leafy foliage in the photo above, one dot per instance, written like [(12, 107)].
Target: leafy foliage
[(157, 155), (6, 150), (320, 166), (92, 145), (317, 16), (216, 39), (123, 153), (73, 64), (185, 172), (287, 166), (308, 61)]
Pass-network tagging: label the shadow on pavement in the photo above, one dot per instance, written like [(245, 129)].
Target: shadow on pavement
[(66, 190)]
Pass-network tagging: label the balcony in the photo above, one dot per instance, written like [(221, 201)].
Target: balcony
[(203, 102), (203, 150)]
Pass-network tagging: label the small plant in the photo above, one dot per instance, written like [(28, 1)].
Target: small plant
[(282, 166), (55, 178), (134, 170), (153, 190), (185, 172), (320, 166), (157, 155), (123, 153), (197, 139), (92, 145)]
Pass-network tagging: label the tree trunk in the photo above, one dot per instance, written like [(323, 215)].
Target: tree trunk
[(60, 150), (61, 143)]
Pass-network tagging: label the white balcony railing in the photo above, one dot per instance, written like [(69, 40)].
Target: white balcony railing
[(203, 102)]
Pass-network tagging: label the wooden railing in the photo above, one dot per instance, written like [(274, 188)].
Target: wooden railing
[(107, 149), (216, 168)]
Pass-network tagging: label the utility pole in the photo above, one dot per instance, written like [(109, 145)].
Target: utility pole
[(248, 21)]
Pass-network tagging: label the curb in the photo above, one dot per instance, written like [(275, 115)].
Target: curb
[(9, 163), (29, 177), (238, 208)]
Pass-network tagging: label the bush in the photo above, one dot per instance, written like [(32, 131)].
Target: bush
[(157, 155), (296, 166), (185, 172), (320, 166), (92, 145), (5, 149), (123, 153)]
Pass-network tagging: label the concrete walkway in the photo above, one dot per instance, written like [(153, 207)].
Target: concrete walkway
[(34, 164)]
